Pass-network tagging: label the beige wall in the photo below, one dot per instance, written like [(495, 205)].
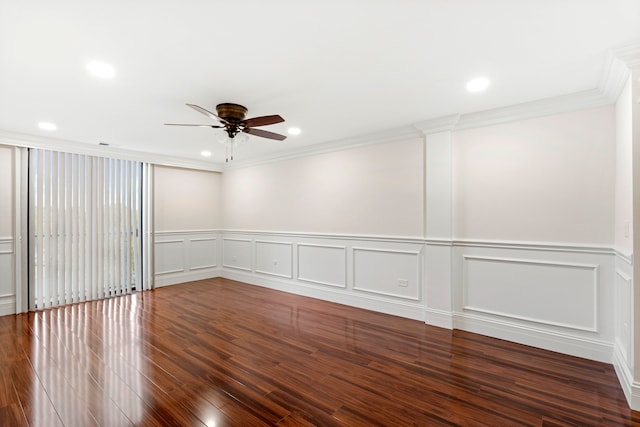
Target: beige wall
[(548, 179), (6, 191), (186, 199), (375, 190)]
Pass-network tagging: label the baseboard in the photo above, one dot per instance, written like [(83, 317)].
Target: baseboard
[(169, 279), (630, 388), (341, 296), (439, 318), (7, 305), (572, 345)]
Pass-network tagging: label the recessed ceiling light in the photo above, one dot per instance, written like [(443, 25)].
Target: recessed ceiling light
[(47, 126), (206, 153), (294, 131), (101, 69), (477, 84)]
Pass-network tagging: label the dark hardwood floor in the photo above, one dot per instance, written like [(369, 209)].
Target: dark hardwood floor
[(223, 353)]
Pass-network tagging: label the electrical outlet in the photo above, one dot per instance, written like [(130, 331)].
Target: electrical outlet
[(627, 230), (275, 262), (403, 283)]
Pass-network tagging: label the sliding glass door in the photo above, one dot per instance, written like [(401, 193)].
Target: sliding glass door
[(85, 234)]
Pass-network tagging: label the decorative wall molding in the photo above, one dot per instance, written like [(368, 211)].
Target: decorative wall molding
[(536, 246), (323, 267), (207, 232), (328, 266), (383, 269), (185, 256), (173, 250), (506, 244), (331, 236), (234, 249), (624, 256), (548, 281), (274, 258)]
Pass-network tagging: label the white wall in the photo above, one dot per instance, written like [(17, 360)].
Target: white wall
[(371, 190), (548, 179), (187, 219)]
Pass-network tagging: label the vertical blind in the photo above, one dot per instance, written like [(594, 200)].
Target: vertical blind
[(84, 219)]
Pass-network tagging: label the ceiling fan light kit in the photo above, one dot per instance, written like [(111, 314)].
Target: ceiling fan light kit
[(232, 119)]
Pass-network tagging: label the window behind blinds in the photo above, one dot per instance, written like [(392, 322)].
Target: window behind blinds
[(84, 227)]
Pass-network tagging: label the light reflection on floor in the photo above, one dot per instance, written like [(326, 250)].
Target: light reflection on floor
[(97, 362)]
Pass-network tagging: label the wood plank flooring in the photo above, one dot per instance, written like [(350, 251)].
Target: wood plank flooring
[(223, 353)]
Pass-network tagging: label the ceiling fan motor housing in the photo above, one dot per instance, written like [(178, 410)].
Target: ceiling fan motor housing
[(233, 113)]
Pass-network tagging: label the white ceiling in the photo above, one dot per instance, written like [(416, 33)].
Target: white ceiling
[(335, 69)]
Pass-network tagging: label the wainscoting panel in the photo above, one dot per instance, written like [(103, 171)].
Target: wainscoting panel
[(236, 253), (183, 256), (387, 272), (623, 318), (322, 264), (552, 293), (550, 296), (556, 297), (274, 258), (7, 281), (376, 273), (203, 253), (170, 256)]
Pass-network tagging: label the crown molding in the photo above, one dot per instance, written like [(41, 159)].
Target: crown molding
[(629, 53), (389, 135), (592, 98), (620, 61), (56, 144), (440, 124), (614, 77)]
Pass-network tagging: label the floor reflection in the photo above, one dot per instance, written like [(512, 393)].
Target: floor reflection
[(90, 356)]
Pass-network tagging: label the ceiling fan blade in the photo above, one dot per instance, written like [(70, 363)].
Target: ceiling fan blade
[(263, 121), (264, 134), (202, 126), (206, 113)]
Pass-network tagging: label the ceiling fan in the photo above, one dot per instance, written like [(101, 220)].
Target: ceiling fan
[(232, 119)]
